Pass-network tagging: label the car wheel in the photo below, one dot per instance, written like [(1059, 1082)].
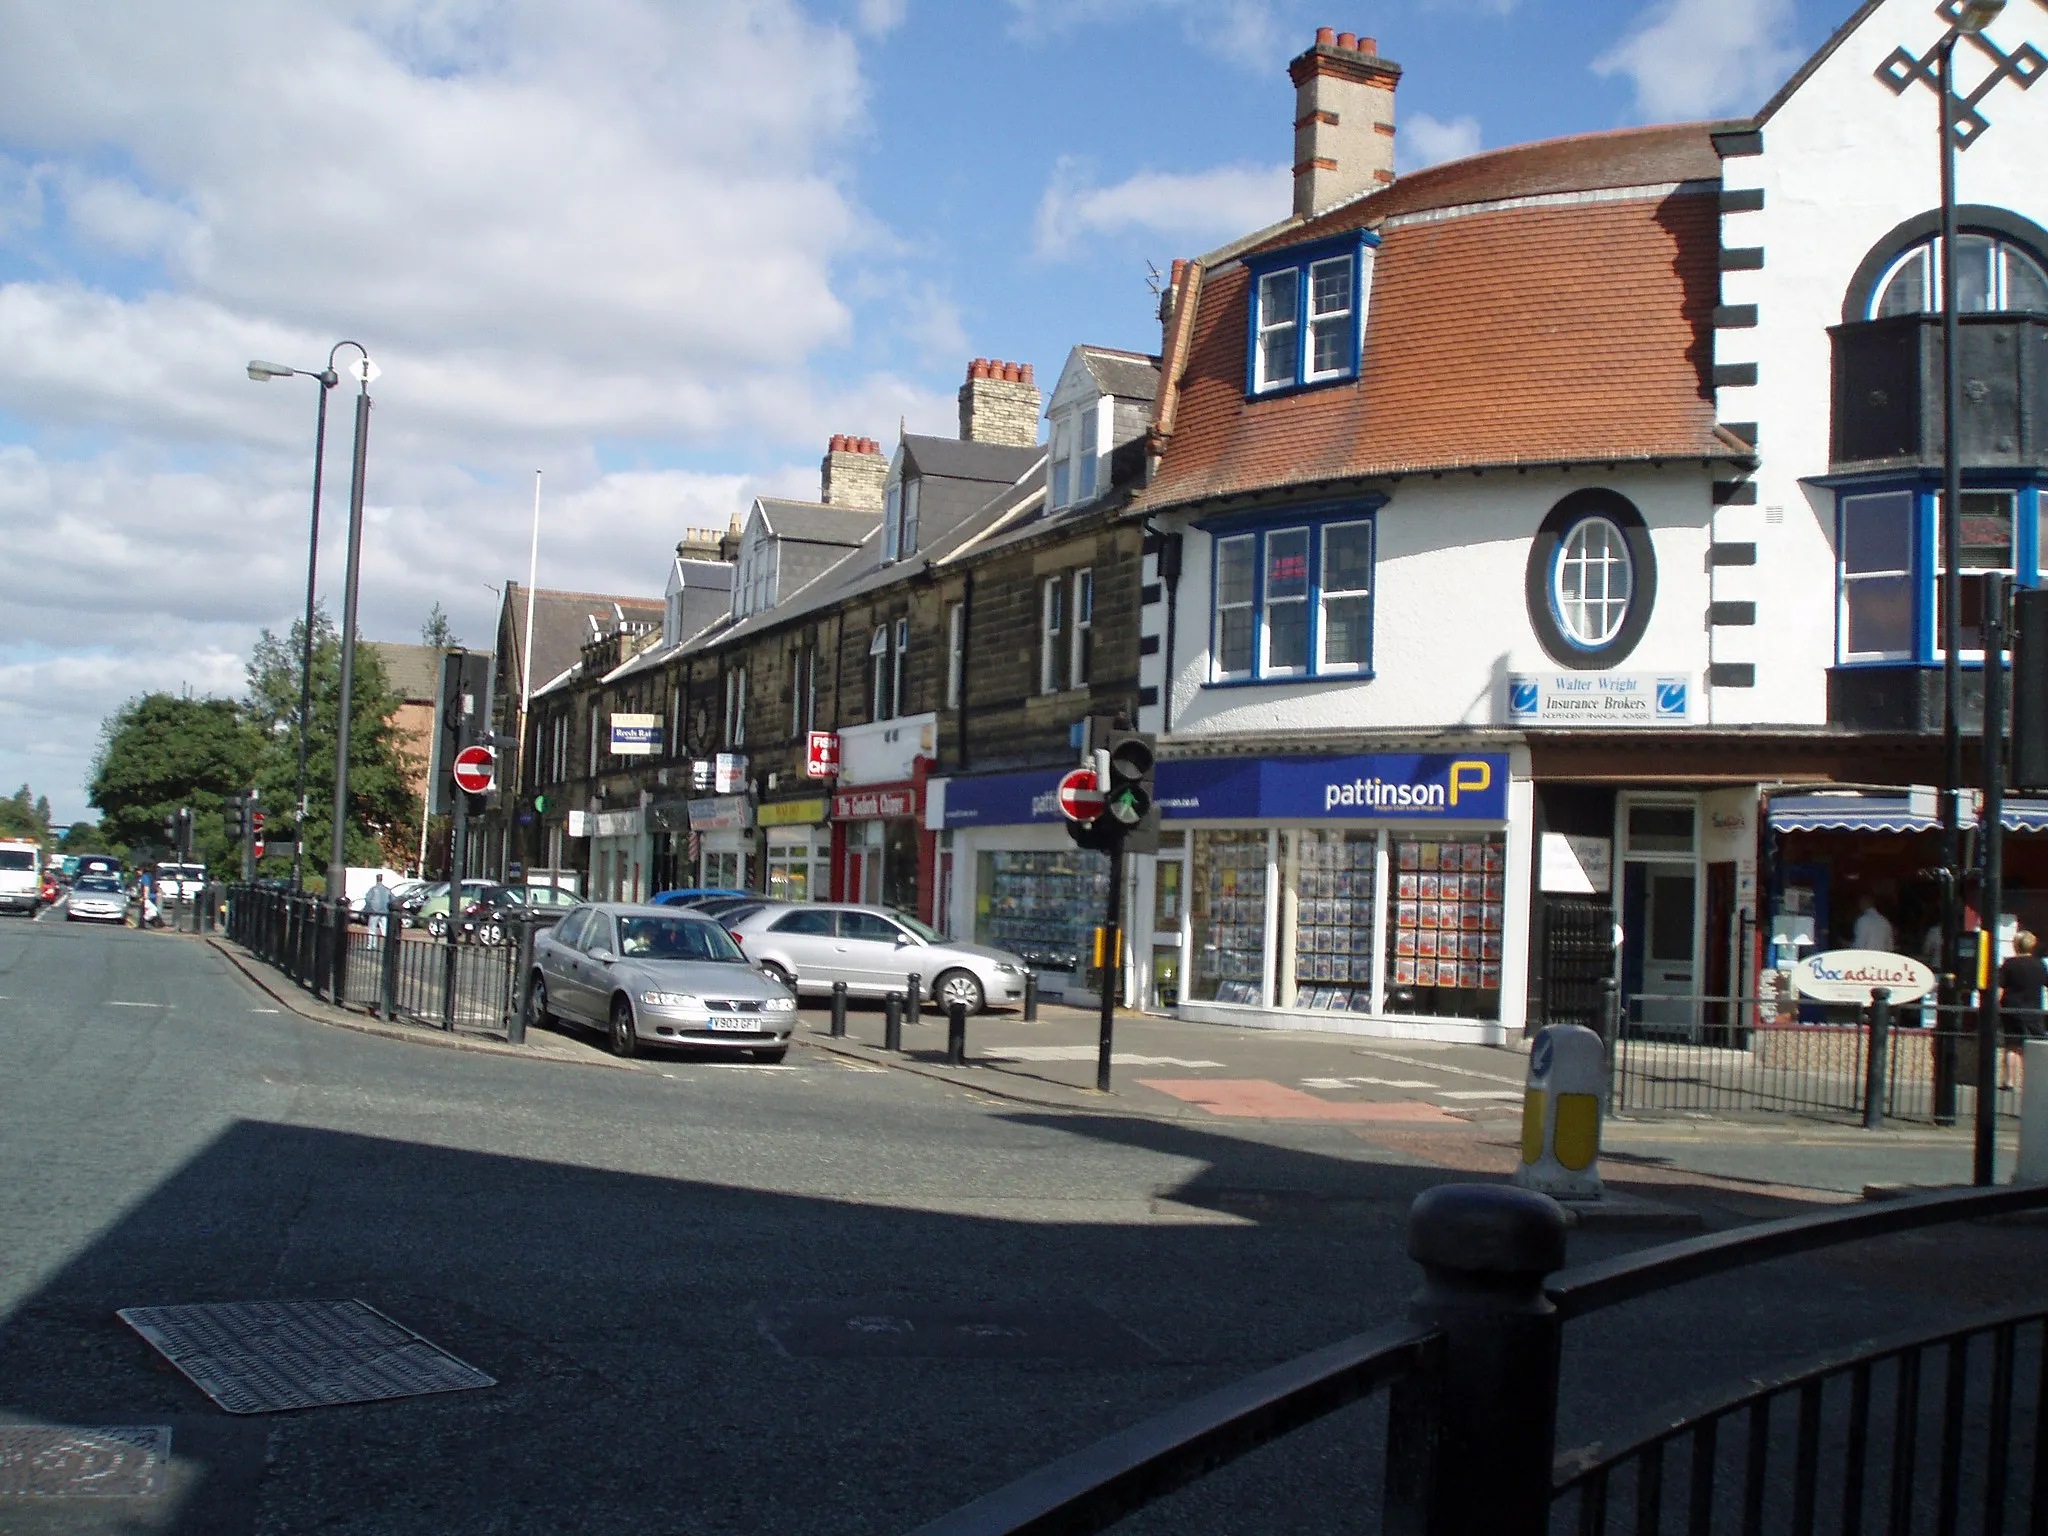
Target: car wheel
[(436, 927), (491, 934), (771, 1057), (625, 1040), (775, 972), (537, 1014), (959, 987)]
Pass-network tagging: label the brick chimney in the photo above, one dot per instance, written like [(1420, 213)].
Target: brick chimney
[(1343, 120), (999, 403), (852, 473)]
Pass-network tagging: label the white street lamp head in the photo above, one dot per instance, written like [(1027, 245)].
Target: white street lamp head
[(264, 372), (1976, 15)]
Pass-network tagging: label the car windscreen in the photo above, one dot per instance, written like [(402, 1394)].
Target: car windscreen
[(675, 938), (99, 883), (924, 931), (17, 858)]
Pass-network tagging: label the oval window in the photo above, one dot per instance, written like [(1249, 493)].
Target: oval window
[(1592, 582)]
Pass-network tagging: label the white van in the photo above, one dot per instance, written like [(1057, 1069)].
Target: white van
[(21, 875)]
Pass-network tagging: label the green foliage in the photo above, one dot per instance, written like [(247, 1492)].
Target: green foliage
[(159, 752), (25, 815), (438, 632), (383, 814), (86, 837)]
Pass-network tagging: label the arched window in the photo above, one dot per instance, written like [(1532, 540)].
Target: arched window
[(1992, 275), (1591, 582)]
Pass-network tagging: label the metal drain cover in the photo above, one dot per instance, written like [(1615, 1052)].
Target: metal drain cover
[(122, 1461), (267, 1356), (894, 1330)]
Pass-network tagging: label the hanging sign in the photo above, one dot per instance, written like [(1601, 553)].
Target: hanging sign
[(823, 759), (1848, 975), (636, 735), (730, 774)]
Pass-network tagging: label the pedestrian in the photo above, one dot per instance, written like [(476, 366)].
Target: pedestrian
[(1873, 929), (2022, 980), (377, 906)]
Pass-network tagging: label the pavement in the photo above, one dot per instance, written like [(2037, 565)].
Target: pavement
[(826, 1296)]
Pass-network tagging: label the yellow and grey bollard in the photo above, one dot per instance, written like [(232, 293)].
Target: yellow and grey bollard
[(1561, 1114)]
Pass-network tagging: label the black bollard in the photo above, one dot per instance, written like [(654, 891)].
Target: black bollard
[(956, 1034), (839, 1010), (387, 970), (914, 991), (1030, 995), (892, 1022), (1879, 1064)]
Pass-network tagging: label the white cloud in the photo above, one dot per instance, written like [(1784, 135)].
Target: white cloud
[(878, 18), (1423, 140), (1196, 208), (1701, 58)]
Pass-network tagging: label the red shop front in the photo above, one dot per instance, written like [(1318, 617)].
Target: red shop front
[(882, 854)]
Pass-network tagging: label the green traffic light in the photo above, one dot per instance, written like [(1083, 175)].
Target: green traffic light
[(540, 804)]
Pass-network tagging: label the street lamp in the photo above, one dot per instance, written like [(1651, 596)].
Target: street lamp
[(263, 372)]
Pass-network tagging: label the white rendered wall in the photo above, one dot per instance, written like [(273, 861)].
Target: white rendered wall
[(1451, 618), (1845, 161)]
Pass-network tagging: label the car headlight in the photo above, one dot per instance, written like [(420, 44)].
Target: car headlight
[(1009, 970), (668, 999), (781, 1005)]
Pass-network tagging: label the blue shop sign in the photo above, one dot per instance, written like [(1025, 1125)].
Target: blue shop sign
[(1004, 799), (1375, 786)]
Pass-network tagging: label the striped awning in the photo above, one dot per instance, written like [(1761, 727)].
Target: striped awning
[(1875, 811)]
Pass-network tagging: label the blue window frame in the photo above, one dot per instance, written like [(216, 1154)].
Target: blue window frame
[(1888, 565), (1307, 313), (1292, 600)]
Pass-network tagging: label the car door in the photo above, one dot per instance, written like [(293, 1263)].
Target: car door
[(560, 956), (875, 953), (805, 942)]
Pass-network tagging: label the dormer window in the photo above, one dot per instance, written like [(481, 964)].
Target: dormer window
[(899, 517), (1992, 276), (1307, 314)]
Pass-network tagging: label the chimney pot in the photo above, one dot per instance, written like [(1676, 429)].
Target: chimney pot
[(1028, 372), (1368, 45), (1326, 37), (1348, 41)]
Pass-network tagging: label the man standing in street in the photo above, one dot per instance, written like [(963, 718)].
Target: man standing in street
[(1873, 929), (377, 906)]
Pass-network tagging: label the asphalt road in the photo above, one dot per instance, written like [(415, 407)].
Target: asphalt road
[(659, 1267)]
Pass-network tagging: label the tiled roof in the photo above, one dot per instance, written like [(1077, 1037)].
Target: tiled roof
[(561, 623), (812, 522), (951, 458), (1575, 328), (1132, 375)]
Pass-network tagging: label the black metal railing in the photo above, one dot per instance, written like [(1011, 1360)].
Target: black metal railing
[(1738, 1055), (1470, 1423), (457, 981)]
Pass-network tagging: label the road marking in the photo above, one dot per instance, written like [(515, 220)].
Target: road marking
[(1257, 1099), (1084, 1053), (856, 1066), (1479, 1093), (1438, 1066), (112, 1004), (1365, 1082), (266, 1010)]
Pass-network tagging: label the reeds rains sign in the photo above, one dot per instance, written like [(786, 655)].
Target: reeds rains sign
[(1850, 975)]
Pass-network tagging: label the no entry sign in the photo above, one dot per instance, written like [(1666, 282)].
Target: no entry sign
[(1080, 800), (476, 769)]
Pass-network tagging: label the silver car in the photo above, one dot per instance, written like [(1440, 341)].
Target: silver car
[(657, 976), (807, 946), (98, 897)]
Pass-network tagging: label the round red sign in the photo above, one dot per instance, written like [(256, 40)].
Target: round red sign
[(1080, 800), (476, 769)]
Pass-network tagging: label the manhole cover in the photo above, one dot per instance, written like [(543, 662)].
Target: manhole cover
[(894, 1330), (266, 1356), (124, 1461)]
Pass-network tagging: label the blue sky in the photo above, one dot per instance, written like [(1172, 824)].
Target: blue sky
[(659, 249)]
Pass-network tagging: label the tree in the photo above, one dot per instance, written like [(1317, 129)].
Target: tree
[(25, 815), (85, 837), (438, 632), (160, 752), (383, 816)]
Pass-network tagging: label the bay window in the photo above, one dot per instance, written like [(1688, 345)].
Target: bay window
[(1293, 601), (1889, 567)]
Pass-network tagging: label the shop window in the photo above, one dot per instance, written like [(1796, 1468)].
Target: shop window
[(789, 871), (1293, 602), (1042, 905), (1306, 318), (1447, 933), (1227, 915), (1327, 952)]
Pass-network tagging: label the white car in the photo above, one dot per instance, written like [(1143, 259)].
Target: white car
[(97, 898)]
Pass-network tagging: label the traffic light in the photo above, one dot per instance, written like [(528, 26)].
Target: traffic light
[(2029, 767), (256, 830), (234, 813), (171, 828), (1126, 770), (540, 804)]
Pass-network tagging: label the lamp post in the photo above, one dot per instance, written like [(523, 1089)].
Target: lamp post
[(326, 378)]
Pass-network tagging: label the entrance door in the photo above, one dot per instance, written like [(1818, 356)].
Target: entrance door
[(1659, 967)]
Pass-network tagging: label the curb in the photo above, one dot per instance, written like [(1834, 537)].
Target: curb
[(412, 1035), (875, 1056)]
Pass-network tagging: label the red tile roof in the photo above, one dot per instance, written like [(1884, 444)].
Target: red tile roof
[(1564, 331)]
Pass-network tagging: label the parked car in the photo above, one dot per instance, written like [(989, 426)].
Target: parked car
[(432, 913), (690, 895), (809, 945), (97, 898), (485, 918), (656, 975)]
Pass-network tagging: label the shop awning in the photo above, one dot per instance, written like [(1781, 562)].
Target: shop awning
[(1875, 811)]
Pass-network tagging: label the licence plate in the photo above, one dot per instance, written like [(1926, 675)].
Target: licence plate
[(734, 1023)]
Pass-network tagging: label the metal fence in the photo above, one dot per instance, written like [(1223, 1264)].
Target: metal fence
[(1715, 1055), (456, 982), (1467, 1442)]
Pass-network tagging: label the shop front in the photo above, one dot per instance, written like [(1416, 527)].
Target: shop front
[(1376, 893), (619, 855), (878, 845), (1017, 882), (797, 848), (722, 828)]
